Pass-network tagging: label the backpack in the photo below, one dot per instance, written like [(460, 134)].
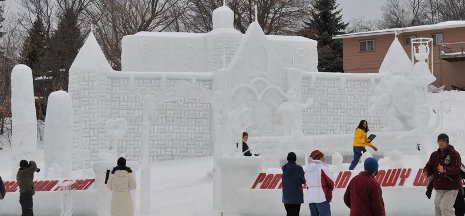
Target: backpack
[(2, 189)]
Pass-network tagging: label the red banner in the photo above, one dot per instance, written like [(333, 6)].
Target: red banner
[(386, 178), (51, 185)]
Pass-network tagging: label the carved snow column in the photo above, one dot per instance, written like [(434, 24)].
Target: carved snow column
[(294, 95), (223, 131), (422, 58)]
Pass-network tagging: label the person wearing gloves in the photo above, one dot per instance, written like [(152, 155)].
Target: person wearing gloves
[(121, 182), (320, 185), (363, 195), (444, 166), (360, 142), (459, 205), (292, 180)]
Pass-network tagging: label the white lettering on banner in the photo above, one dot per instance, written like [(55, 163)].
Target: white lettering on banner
[(51, 185), (386, 178)]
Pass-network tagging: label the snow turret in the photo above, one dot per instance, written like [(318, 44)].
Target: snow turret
[(396, 61), (223, 17)]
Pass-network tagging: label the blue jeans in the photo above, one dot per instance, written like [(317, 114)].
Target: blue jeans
[(358, 151), (320, 209)]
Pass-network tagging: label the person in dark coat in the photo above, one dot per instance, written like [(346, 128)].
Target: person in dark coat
[(2, 189), (25, 178), (459, 205), (444, 166), (292, 180), (364, 195), (246, 151)]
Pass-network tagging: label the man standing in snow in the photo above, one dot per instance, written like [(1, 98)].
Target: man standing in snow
[(25, 177), (363, 195), (292, 180), (320, 185), (444, 165)]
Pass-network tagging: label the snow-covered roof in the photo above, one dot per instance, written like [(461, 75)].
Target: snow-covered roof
[(288, 38), (442, 25)]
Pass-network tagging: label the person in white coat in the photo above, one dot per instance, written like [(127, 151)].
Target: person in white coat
[(121, 182), (320, 184)]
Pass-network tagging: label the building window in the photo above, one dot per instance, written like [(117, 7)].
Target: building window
[(408, 39), (367, 45), (438, 39)]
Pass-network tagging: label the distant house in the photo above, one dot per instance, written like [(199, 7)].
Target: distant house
[(364, 51)]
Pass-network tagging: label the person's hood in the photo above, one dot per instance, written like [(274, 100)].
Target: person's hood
[(121, 173), (314, 165), (289, 168)]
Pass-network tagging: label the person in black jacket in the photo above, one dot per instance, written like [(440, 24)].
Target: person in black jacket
[(292, 180), (245, 148), (459, 205), (2, 189)]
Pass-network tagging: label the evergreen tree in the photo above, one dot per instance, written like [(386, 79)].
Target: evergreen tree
[(63, 48), (33, 50), (324, 23), (33, 55), (1, 21)]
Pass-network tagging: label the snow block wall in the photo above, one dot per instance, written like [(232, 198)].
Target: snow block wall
[(340, 101), (259, 73)]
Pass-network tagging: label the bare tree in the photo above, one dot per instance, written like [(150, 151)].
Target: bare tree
[(361, 24), (43, 9), (452, 10), (116, 18), (275, 17)]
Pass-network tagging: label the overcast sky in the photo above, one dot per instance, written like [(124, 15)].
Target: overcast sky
[(370, 9)]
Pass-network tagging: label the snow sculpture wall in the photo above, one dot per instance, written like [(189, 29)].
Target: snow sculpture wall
[(58, 135), (255, 73), (24, 137)]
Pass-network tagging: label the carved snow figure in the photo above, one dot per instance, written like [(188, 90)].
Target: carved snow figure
[(421, 72), (291, 114), (395, 93)]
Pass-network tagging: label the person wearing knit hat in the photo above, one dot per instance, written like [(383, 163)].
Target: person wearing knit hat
[(363, 194), (292, 181), (320, 185), (444, 168), (121, 182)]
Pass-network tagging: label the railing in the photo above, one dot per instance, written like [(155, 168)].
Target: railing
[(452, 51)]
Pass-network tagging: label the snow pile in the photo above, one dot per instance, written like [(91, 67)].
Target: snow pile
[(58, 135)]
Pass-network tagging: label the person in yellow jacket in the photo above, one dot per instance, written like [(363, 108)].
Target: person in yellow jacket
[(360, 142)]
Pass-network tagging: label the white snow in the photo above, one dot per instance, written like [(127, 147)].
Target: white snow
[(23, 110), (58, 135)]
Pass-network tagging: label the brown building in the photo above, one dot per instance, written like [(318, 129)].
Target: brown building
[(364, 51)]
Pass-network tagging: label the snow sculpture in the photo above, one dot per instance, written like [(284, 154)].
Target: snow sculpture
[(421, 72), (365, 155), (291, 114), (116, 128), (67, 198), (395, 92), (337, 160), (23, 111), (58, 139)]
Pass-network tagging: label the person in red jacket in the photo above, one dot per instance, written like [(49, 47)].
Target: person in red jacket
[(363, 195), (444, 165)]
